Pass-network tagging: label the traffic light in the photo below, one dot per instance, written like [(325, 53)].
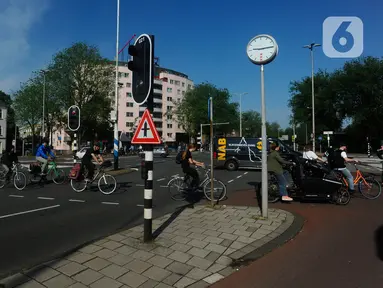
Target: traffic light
[(142, 67), (74, 118)]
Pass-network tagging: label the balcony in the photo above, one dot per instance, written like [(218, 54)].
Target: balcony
[(157, 91), (157, 100), (157, 110), (156, 119)]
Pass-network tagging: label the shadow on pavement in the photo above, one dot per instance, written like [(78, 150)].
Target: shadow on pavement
[(257, 190), (379, 242)]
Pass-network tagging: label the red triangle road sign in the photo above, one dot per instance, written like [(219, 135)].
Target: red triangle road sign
[(146, 132)]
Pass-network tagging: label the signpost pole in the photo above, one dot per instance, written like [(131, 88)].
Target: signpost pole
[(211, 152), (264, 149)]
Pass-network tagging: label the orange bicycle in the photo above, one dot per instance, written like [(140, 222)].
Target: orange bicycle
[(368, 186)]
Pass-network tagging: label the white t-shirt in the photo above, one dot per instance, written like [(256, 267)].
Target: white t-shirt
[(343, 154), (310, 155)]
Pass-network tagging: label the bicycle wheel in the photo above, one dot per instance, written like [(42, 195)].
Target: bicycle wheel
[(219, 192), (273, 190), (342, 196), (177, 189), (78, 185), (58, 176), (107, 184), (20, 180), (3, 179), (371, 189)]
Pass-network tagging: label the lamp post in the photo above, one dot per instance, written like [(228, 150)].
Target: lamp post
[(311, 47), (43, 121), (240, 111)]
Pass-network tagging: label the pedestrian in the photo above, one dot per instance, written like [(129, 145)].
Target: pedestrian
[(274, 165)]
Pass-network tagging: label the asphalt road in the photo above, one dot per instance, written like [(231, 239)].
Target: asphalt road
[(40, 223)]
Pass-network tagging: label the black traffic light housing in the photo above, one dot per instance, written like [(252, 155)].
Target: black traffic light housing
[(74, 118), (142, 67)]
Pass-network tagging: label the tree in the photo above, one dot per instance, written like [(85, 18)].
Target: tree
[(192, 111), (6, 99), (78, 75), (251, 123), (28, 107)]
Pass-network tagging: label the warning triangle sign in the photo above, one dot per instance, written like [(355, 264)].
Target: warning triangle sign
[(146, 132)]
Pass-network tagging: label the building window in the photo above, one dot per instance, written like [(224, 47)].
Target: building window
[(170, 99), (179, 126), (129, 104), (158, 125), (183, 84), (119, 74), (178, 92), (1, 130), (170, 126), (128, 85), (177, 83), (120, 84), (171, 81), (183, 92), (169, 89), (128, 94), (170, 117), (126, 74), (189, 86), (129, 114), (129, 124), (169, 108), (170, 135)]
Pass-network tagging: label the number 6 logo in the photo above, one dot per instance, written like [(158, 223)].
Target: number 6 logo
[(343, 37)]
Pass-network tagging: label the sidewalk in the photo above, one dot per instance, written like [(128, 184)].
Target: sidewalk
[(194, 247)]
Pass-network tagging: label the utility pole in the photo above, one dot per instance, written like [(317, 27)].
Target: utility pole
[(116, 90), (240, 111)]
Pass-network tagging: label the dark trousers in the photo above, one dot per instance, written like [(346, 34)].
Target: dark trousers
[(90, 167), (194, 174)]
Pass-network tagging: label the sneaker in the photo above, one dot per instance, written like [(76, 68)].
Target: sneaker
[(287, 198), (351, 191)]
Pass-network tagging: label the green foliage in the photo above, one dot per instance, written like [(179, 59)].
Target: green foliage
[(6, 99)]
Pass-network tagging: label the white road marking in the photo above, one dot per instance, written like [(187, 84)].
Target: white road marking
[(245, 173), (134, 169), (161, 179), (28, 211), (140, 185), (110, 203), (239, 176), (140, 205), (45, 198), (16, 196), (76, 200), (162, 186), (174, 176), (230, 181)]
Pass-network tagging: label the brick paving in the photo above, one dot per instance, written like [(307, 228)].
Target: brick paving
[(195, 250)]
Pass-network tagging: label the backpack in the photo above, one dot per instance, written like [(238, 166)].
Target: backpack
[(75, 172), (179, 157), (330, 154)]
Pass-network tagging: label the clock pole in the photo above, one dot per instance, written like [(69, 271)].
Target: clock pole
[(264, 148)]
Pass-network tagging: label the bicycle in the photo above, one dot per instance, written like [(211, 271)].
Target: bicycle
[(82, 184), (183, 185), (17, 177), (57, 175), (369, 181)]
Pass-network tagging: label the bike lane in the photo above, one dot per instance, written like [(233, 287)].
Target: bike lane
[(336, 248)]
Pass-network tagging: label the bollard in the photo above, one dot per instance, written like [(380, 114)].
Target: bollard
[(148, 194), (382, 171)]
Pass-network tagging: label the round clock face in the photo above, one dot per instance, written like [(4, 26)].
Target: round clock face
[(262, 49)]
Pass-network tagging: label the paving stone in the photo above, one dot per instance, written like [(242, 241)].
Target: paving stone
[(215, 248), (198, 252), (184, 282), (213, 256), (121, 259), (163, 251), (77, 285), (179, 268), (88, 276), (42, 274), (162, 285), (101, 241), (237, 245), (199, 284), (181, 239), (216, 267), (106, 282), (117, 237), (227, 271), (200, 262), (261, 231), (245, 240), (160, 261), (156, 273), (138, 266), (114, 271), (132, 279), (181, 233), (59, 281), (90, 249), (214, 240), (181, 247), (197, 230), (105, 253), (126, 250), (264, 222), (165, 242), (229, 251), (97, 264), (80, 257), (179, 256), (224, 260), (242, 233), (251, 229), (132, 242), (31, 284), (213, 278), (112, 245), (227, 242), (228, 236), (198, 243), (58, 263), (197, 236), (142, 255), (71, 268), (212, 233), (247, 249), (149, 284), (237, 255), (198, 274), (253, 225)]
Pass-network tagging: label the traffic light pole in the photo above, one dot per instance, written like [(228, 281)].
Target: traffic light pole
[(116, 140), (74, 148)]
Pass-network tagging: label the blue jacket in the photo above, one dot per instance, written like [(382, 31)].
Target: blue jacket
[(43, 151)]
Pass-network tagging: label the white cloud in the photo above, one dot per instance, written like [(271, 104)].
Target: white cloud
[(17, 18)]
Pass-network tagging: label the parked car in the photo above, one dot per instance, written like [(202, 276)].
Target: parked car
[(160, 151), (81, 152)]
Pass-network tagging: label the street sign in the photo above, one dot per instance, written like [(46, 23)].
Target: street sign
[(320, 138), (146, 132), (328, 132)]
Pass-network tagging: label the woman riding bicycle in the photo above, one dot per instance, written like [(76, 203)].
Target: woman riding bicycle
[(187, 169)]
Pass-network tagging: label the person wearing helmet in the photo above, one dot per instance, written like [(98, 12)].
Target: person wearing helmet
[(92, 153), (43, 155)]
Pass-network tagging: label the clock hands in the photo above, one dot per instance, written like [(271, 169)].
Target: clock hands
[(262, 48)]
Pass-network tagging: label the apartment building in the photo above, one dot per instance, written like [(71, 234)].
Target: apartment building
[(3, 126), (169, 88)]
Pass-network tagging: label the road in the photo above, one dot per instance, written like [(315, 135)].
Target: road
[(40, 223)]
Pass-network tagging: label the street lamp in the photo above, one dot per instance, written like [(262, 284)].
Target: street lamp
[(116, 92), (311, 47), (42, 124), (240, 111)]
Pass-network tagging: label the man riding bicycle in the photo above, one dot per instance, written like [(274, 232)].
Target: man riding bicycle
[(187, 169), (92, 153), (42, 155), (9, 158)]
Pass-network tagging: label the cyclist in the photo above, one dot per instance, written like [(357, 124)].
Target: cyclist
[(92, 153), (186, 160), (9, 157), (310, 154), (42, 155)]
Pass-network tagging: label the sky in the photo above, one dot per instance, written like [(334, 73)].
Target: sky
[(204, 39)]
